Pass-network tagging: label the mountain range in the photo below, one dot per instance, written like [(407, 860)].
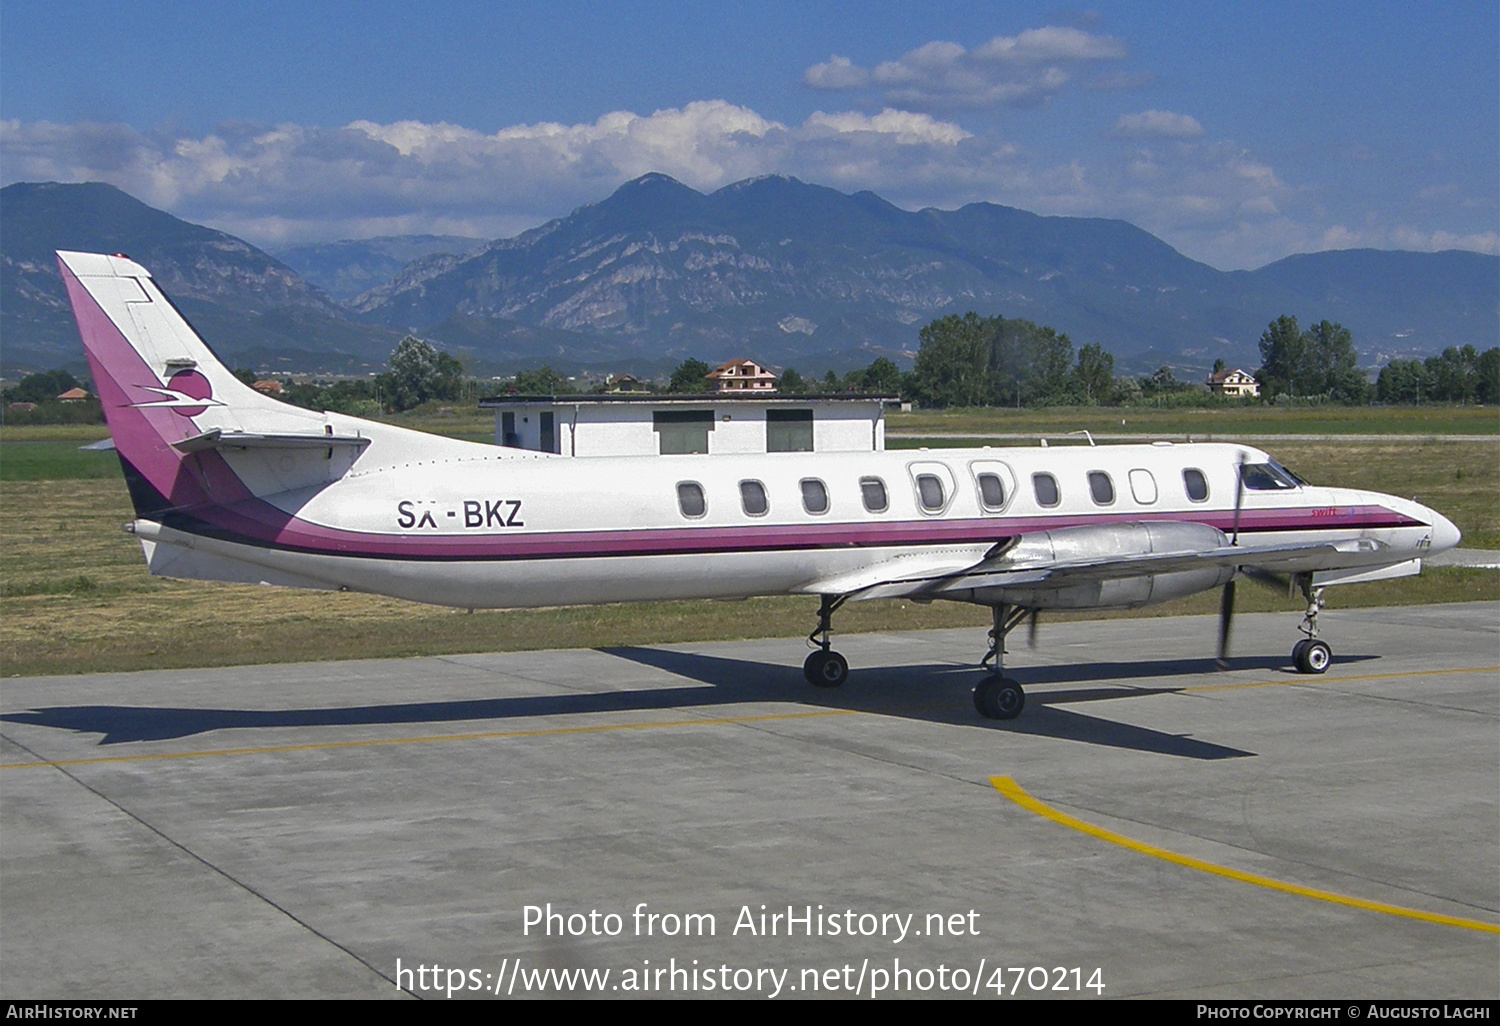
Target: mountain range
[(772, 268)]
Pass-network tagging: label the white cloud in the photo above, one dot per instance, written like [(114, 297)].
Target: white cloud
[(906, 128), (1051, 43), (1163, 124), (293, 183), (1006, 71), (837, 73)]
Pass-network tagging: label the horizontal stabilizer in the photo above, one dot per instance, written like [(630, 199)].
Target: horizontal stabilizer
[(216, 438)]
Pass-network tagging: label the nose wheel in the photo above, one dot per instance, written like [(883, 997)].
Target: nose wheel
[(1311, 655)]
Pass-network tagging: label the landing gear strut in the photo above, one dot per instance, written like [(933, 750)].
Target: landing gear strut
[(1311, 655), (997, 697), (824, 667)]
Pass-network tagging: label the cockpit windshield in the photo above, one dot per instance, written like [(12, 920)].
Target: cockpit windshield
[(1267, 477)]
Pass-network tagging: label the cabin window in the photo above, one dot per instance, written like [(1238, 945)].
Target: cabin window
[(1196, 485), (682, 431), (991, 492), (930, 493), (1265, 477), (753, 498), (1045, 487), (814, 495), (872, 489), (690, 499), (789, 431), (1143, 487), (1101, 488)]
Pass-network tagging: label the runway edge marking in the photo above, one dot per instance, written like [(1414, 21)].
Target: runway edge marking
[(1010, 789)]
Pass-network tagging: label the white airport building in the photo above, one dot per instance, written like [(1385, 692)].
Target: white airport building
[(636, 424)]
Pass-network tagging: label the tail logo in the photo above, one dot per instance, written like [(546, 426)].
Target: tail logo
[(188, 393)]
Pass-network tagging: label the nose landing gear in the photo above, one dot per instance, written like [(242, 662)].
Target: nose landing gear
[(1310, 655)]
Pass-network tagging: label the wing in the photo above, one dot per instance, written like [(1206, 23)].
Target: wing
[(1087, 554)]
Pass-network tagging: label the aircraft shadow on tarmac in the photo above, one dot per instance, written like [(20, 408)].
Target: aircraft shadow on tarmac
[(936, 693)]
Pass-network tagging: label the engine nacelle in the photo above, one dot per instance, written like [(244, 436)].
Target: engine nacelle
[(1045, 549)]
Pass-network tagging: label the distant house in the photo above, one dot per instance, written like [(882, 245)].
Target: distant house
[(624, 383), (73, 395), (742, 376), (1236, 384), (267, 387)]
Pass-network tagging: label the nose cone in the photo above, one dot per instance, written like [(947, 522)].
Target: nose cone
[(1444, 535)]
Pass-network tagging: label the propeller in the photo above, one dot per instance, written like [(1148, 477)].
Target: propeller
[(1226, 617), (1226, 599)]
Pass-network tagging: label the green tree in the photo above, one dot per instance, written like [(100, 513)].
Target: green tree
[(418, 372), (882, 376), (1284, 364), (953, 364), (1403, 381), (690, 377), (1487, 371), (42, 387), (791, 382), (1029, 362), (1454, 374), (1095, 372), (1335, 364), (542, 381)]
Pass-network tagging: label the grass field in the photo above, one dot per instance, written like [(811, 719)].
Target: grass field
[(1219, 422), (75, 596)]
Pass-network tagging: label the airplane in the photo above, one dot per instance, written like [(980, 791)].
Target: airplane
[(232, 485)]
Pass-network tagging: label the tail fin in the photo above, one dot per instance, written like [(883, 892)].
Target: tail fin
[(166, 397)]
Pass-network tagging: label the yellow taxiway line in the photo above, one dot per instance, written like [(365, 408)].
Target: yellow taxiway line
[(1010, 789), (320, 745)]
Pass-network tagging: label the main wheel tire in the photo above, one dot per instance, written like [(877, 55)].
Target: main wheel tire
[(1299, 654), (825, 669), (999, 698), (1315, 657)]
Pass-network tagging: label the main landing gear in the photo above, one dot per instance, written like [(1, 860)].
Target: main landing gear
[(824, 667), (1311, 655), (997, 697)]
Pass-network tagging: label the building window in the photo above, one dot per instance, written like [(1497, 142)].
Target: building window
[(682, 431), (690, 499), (789, 431), (508, 436), (991, 492), (1045, 486), (1101, 488), (872, 489), (1196, 485), (814, 495), (753, 498), (549, 431)]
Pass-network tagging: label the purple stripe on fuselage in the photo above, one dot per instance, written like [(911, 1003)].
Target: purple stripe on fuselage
[(245, 523)]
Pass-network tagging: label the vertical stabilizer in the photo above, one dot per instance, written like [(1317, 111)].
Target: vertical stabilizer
[(160, 385)]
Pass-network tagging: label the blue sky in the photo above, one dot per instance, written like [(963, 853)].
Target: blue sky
[(1238, 132)]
